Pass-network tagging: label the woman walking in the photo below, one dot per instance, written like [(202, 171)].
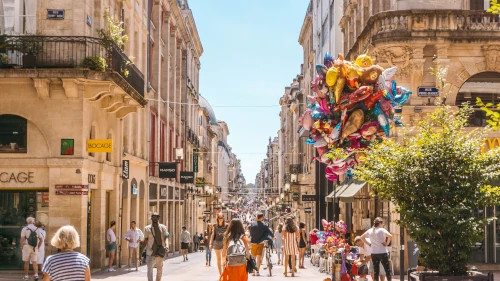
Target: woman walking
[(278, 241), (208, 251), (290, 241), (302, 244), (66, 265), (379, 239), (235, 232), (217, 239)]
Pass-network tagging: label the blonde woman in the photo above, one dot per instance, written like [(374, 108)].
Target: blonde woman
[(66, 265), (217, 239)]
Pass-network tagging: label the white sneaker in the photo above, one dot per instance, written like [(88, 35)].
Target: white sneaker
[(111, 269)]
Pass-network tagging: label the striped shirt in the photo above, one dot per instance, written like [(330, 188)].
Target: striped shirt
[(66, 266)]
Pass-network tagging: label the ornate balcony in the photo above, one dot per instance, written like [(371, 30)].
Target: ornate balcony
[(107, 62), (411, 25)]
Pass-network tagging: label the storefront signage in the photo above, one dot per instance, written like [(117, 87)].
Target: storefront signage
[(45, 199), (99, 145), (428, 92), (125, 169), (20, 177), (71, 186), (72, 192), (308, 198), (91, 178), (207, 212), (200, 182), (308, 210), (168, 170), (489, 144), (53, 14), (195, 160), (187, 177), (295, 196)]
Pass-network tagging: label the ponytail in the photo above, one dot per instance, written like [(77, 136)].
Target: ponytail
[(377, 222)]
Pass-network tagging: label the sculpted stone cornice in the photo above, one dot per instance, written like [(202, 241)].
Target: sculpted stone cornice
[(398, 55), (491, 56), (343, 22), (42, 87)]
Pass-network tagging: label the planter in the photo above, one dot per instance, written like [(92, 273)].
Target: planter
[(29, 61), (434, 276)]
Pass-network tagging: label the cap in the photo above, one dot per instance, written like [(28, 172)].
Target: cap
[(357, 238), (155, 214)]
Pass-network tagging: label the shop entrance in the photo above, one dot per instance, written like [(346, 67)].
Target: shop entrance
[(15, 207)]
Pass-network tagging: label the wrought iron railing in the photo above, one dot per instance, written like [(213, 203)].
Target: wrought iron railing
[(296, 169), (69, 52)]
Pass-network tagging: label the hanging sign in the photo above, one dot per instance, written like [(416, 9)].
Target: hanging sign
[(71, 186), (100, 145), (125, 169), (200, 182), (187, 177), (308, 198), (168, 170), (72, 192), (195, 160), (207, 212), (296, 196)]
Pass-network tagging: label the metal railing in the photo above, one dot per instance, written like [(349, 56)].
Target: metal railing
[(69, 52)]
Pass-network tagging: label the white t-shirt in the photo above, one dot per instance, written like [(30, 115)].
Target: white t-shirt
[(377, 237), (111, 237), (366, 250)]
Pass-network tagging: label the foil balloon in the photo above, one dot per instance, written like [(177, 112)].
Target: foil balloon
[(328, 60)]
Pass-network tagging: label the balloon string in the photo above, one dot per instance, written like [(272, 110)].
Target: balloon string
[(249, 106)]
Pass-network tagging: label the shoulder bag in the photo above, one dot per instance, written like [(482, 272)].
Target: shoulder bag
[(161, 252)]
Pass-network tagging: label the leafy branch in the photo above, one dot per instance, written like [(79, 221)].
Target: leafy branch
[(494, 7), (492, 111), (114, 33)]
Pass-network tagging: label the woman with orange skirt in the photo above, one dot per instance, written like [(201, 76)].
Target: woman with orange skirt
[(235, 232)]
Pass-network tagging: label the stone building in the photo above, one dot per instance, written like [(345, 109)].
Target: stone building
[(173, 93), (52, 104)]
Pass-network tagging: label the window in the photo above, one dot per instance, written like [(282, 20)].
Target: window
[(13, 134), (19, 16), (92, 137), (324, 32), (476, 5)]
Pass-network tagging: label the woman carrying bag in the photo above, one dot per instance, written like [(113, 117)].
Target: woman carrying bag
[(235, 253)]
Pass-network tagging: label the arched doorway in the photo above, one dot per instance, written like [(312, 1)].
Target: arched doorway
[(486, 86), (143, 220), (134, 192)]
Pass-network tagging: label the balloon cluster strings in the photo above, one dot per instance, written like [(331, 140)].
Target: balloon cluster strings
[(250, 106)]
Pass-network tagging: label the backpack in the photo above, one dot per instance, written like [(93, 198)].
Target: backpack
[(236, 253), (33, 238)]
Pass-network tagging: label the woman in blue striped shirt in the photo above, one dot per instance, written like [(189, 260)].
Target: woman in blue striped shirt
[(66, 265)]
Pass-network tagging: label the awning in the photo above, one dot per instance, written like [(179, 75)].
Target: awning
[(346, 191)]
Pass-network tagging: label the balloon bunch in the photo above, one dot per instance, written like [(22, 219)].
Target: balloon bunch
[(352, 106)]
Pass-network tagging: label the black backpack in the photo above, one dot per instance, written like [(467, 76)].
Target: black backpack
[(33, 238)]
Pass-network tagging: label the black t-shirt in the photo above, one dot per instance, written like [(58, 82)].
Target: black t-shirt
[(219, 232), (260, 232)]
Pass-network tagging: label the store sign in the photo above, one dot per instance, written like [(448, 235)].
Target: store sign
[(45, 199), (489, 144), (53, 14), (13, 177), (72, 192), (200, 182), (187, 177), (296, 196), (195, 160), (72, 186), (99, 145), (168, 170), (307, 210), (91, 178), (125, 169), (24, 178), (428, 92), (308, 198)]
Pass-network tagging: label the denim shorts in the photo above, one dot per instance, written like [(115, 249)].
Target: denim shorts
[(112, 247)]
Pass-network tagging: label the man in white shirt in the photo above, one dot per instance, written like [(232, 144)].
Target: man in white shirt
[(41, 250), (365, 252), (111, 238), (134, 236), (30, 252), (155, 235)]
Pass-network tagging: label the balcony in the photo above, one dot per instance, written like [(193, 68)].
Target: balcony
[(454, 25), (71, 52)]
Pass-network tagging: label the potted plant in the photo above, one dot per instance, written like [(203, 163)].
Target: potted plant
[(30, 46)]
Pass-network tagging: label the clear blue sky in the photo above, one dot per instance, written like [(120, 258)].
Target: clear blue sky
[(251, 53)]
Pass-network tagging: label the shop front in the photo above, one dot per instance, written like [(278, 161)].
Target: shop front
[(23, 193)]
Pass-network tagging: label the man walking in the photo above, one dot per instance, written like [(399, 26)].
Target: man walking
[(185, 242), (134, 236), (259, 233), (196, 241), (156, 245), (30, 243)]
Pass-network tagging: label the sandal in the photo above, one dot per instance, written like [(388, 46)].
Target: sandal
[(284, 273)]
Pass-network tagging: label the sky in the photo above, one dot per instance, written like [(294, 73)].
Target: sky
[(250, 54)]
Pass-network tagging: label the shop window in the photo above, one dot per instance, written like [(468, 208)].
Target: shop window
[(13, 134)]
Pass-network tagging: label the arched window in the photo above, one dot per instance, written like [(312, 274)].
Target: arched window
[(13, 134)]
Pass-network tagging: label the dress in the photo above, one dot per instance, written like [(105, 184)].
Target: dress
[(290, 243), (235, 273), (302, 243)]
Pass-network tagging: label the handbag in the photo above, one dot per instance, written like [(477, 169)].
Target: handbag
[(161, 251), (251, 264)]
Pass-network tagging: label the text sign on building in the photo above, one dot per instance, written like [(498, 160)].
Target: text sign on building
[(308, 198), (307, 210), (428, 92), (91, 178), (125, 169), (72, 192), (71, 186), (489, 144), (200, 182), (187, 177), (99, 145), (168, 170), (195, 160), (53, 14), (295, 196), (207, 212), (21, 177)]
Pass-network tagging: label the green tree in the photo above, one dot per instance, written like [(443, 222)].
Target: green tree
[(437, 178), (494, 7), (492, 112)]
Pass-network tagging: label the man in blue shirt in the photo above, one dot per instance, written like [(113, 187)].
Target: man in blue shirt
[(259, 233)]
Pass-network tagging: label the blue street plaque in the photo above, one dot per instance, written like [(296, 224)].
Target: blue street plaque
[(428, 92)]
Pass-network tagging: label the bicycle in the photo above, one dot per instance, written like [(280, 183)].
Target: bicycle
[(268, 258)]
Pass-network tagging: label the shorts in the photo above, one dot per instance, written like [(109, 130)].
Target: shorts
[(30, 253), (371, 269), (112, 247), (257, 249), (184, 246), (218, 245), (302, 244)]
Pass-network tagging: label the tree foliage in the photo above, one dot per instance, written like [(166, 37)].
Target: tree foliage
[(494, 7), (437, 178), (492, 112)]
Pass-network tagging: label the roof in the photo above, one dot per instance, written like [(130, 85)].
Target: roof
[(204, 104)]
